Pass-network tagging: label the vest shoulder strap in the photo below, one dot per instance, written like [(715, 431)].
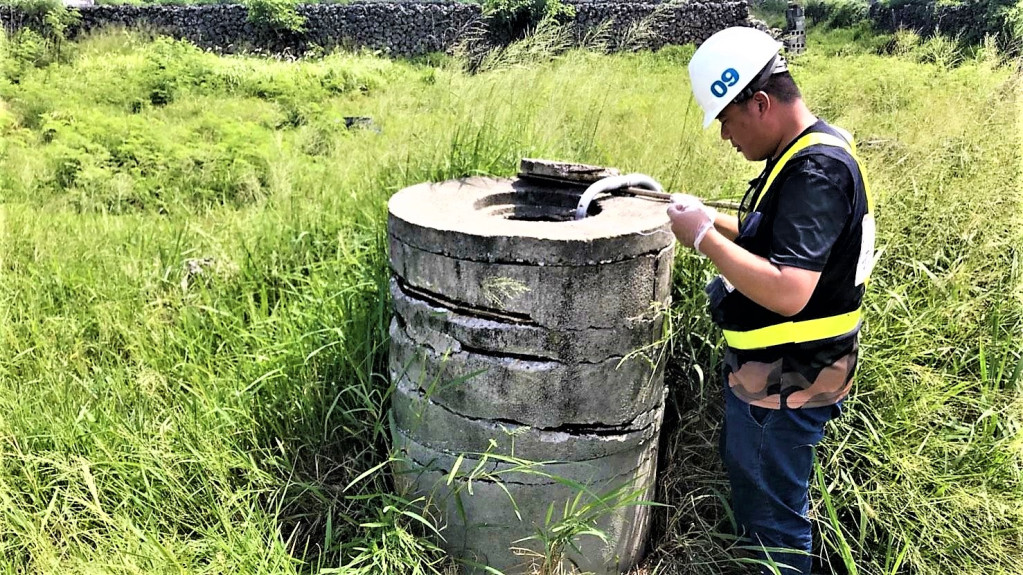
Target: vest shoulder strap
[(815, 139)]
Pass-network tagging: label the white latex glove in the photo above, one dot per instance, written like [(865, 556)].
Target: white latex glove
[(690, 224), (689, 202)]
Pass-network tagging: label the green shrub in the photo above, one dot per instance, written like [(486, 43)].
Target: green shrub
[(101, 163), (1000, 19), (941, 50), (1010, 19), (511, 18), (847, 13), (772, 12), (904, 42), (275, 15), (27, 49), (42, 42), (836, 13), (816, 11), (36, 9), (172, 65), (51, 17)]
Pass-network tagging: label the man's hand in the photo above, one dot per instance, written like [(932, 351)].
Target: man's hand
[(687, 201), (690, 221)]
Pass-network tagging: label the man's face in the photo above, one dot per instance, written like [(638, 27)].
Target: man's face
[(742, 126)]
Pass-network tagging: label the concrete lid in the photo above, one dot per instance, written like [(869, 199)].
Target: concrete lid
[(509, 220)]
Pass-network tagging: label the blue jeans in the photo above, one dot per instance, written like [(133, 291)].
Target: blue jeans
[(768, 454)]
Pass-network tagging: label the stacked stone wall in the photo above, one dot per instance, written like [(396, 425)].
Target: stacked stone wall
[(396, 28), (968, 21)]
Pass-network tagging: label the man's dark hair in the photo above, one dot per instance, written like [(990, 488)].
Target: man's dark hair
[(780, 86)]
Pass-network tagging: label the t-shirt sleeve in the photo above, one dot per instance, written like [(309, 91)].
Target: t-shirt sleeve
[(813, 208)]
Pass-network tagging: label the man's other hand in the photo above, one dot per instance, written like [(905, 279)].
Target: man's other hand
[(690, 222)]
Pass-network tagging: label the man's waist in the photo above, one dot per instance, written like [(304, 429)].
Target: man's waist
[(794, 331)]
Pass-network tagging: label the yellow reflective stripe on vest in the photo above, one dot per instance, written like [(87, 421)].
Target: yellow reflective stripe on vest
[(812, 139), (794, 331)]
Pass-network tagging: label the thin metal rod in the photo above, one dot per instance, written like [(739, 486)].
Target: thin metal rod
[(663, 196), (666, 196)]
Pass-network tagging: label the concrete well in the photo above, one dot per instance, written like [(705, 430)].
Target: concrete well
[(527, 366)]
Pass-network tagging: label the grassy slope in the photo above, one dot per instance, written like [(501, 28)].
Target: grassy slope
[(156, 420)]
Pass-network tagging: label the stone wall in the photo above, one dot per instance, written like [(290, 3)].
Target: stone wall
[(968, 21), (397, 28), (670, 23)]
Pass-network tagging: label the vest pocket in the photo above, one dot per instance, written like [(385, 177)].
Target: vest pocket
[(749, 226), (717, 290)]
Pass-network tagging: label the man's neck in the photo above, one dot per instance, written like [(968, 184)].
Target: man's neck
[(797, 118)]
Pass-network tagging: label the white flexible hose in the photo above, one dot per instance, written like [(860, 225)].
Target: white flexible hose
[(612, 183)]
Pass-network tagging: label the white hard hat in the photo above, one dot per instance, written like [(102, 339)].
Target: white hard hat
[(727, 63)]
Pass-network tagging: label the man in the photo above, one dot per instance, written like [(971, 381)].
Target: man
[(792, 272)]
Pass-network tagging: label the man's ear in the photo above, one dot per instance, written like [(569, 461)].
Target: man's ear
[(762, 102)]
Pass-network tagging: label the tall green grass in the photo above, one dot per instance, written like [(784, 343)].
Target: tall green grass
[(193, 276)]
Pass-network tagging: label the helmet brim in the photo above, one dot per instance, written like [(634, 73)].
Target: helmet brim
[(708, 119)]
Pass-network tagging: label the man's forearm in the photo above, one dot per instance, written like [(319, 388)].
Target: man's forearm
[(781, 289), (727, 225)]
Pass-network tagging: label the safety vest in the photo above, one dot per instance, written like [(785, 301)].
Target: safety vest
[(824, 327)]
